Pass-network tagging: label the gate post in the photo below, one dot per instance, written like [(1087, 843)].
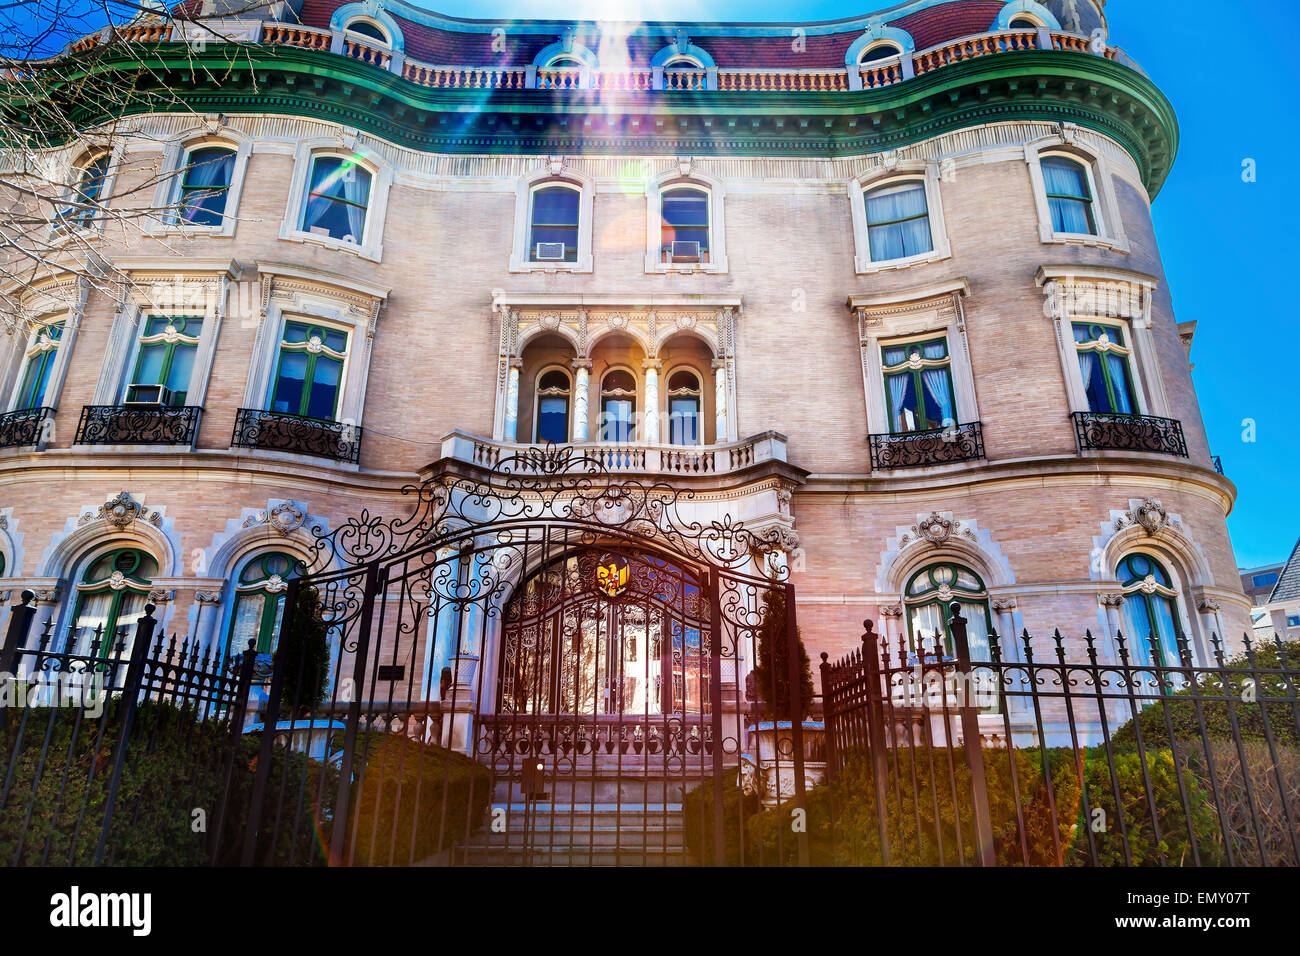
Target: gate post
[(876, 734), (715, 707), (970, 731), (20, 622)]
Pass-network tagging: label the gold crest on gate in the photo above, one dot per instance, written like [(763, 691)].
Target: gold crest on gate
[(613, 574)]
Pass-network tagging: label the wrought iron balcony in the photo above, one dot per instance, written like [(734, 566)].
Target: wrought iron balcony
[(138, 424), (1218, 463), (280, 431), (25, 426), (1118, 432), (935, 446)]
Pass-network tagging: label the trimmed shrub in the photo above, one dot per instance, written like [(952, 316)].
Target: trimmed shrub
[(697, 811), (305, 646), (772, 672)]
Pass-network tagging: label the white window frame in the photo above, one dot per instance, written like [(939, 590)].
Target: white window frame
[(537, 400), (369, 40), (307, 151), (908, 170), (927, 310), (1101, 183), (159, 288), (667, 433), (299, 294), (554, 174), (1131, 311), (62, 231), (175, 160), (59, 302), (685, 177)]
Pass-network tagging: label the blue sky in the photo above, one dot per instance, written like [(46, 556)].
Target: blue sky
[(1228, 245)]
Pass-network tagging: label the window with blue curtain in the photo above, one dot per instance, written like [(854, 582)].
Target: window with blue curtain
[(1104, 366), (88, 193), (918, 385), (555, 219), (553, 407), (37, 365), (685, 215), (684, 396), (310, 371), (898, 221), (1150, 610), (338, 194), (1068, 196), (618, 406), (168, 344), (204, 186)]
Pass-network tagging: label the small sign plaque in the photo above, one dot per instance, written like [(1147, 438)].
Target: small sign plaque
[(391, 672)]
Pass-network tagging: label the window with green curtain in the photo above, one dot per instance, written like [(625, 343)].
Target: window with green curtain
[(111, 596), (898, 221), (555, 219), (37, 365), (1069, 197), (918, 385), (168, 344), (1150, 610), (309, 372), (1104, 365), (259, 602), (205, 185), (927, 597)]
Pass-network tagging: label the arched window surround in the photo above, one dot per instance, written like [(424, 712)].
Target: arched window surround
[(685, 176), (176, 159), (923, 171), (370, 245), (1024, 10), (111, 599), (634, 423), (1109, 223), (1150, 592), (698, 394), (373, 13), (553, 174)]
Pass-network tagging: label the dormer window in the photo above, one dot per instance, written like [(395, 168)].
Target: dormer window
[(367, 31), (880, 51)]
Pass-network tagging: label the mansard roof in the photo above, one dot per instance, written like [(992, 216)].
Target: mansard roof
[(1288, 582)]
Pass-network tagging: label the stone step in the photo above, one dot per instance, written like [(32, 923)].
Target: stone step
[(557, 834), (562, 856)]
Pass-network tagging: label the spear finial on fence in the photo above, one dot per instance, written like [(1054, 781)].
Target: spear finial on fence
[(1121, 646), (1029, 647)]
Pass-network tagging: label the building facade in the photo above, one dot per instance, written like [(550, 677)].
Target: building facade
[(885, 289)]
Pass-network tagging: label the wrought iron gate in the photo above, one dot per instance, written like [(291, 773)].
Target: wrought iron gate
[(539, 664)]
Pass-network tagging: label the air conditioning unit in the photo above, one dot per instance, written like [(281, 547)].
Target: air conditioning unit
[(148, 395), (685, 251), (550, 252)]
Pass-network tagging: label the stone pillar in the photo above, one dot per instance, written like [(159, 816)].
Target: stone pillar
[(581, 399), (650, 416), (1211, 623), (720, 400), (891, 626), (512, 403), (1114, 621), (1005, 609)]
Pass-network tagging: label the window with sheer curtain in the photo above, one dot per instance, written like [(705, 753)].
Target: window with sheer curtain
[(259, 603), (1150, 611), (918, 385), (928, 598), (1104, 359), (338, 196), (1069, 197), (205, 185), (898, 221), (111, 596)]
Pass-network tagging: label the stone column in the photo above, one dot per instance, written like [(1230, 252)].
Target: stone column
[(512, 402), (891, 626), (1112, 604), (1005, 609), (581, 400), (1211, 623), (720, 400), (650, 416)]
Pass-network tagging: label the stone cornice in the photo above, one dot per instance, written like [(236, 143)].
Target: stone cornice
[(1045, 85)]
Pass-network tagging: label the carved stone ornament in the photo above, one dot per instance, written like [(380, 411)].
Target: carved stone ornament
[(891, 610), (162, 596), (1110, 600), (1150, 515), (208, 597), (1004, 604), (274, 584), (120, 512), (1208, 607), (285, 517), (550, 321), (936, 529), (117, 581)]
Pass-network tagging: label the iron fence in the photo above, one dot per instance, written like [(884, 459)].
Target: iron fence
[(1130, 755)]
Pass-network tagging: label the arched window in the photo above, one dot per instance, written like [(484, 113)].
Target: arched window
[(369, 31), (204, 185), (927, 597), (684, 213), (38, 363), (918, 384), (338, 196), (553, 391), (898, 221), (618, 406), (259, 603), (309, 376), (1150, 610), (1069, 196), (1104, 364), (879, 51), (111, 596), (1022, 22), (684, 395), (553, 224), (88, 193)]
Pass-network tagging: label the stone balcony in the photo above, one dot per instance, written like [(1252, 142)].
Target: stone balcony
[(635, 458)]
